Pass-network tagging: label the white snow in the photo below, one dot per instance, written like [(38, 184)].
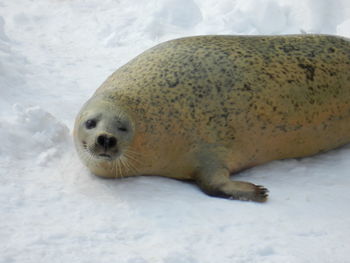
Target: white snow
[(55, 53)]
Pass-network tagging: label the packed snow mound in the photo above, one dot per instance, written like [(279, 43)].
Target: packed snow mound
[(180, 13), (3, 36), (172, 17), (12, 68), (255, 17), (344, 29), (33, 133), (271, 17)]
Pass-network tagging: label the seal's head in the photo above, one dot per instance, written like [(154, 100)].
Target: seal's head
[(102, 133)]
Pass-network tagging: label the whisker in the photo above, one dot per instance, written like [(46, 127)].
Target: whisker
[(114, 169), (135, 153), (120, 168), (126, 164), (129, 165), (122, 161), (129, 155), (132, 165)]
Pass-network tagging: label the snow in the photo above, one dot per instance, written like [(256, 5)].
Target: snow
[(55, 53)]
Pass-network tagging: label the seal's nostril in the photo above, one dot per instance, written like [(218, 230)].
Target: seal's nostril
[(101, 140), (106, 141), (112, 142)]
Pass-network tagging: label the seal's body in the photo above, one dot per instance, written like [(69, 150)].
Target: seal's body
[(204, 107)]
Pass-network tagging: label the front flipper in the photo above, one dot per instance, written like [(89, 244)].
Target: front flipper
[(216, 182)]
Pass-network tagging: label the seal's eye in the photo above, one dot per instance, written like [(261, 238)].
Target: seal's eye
[(123, 129), (90, 124)]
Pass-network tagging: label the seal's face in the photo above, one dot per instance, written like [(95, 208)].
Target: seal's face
[(102, 135)]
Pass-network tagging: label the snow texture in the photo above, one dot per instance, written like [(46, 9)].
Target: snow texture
[(55, 53)]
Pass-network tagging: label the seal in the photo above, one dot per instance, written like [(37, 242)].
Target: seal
[(202, 108)]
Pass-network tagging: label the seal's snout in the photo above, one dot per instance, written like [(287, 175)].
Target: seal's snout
[(106, 141)]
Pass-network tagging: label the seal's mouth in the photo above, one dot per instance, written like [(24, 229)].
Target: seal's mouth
[(101, 154), (105, 156)]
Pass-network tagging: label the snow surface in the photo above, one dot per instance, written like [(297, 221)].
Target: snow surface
[(55, 53)]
